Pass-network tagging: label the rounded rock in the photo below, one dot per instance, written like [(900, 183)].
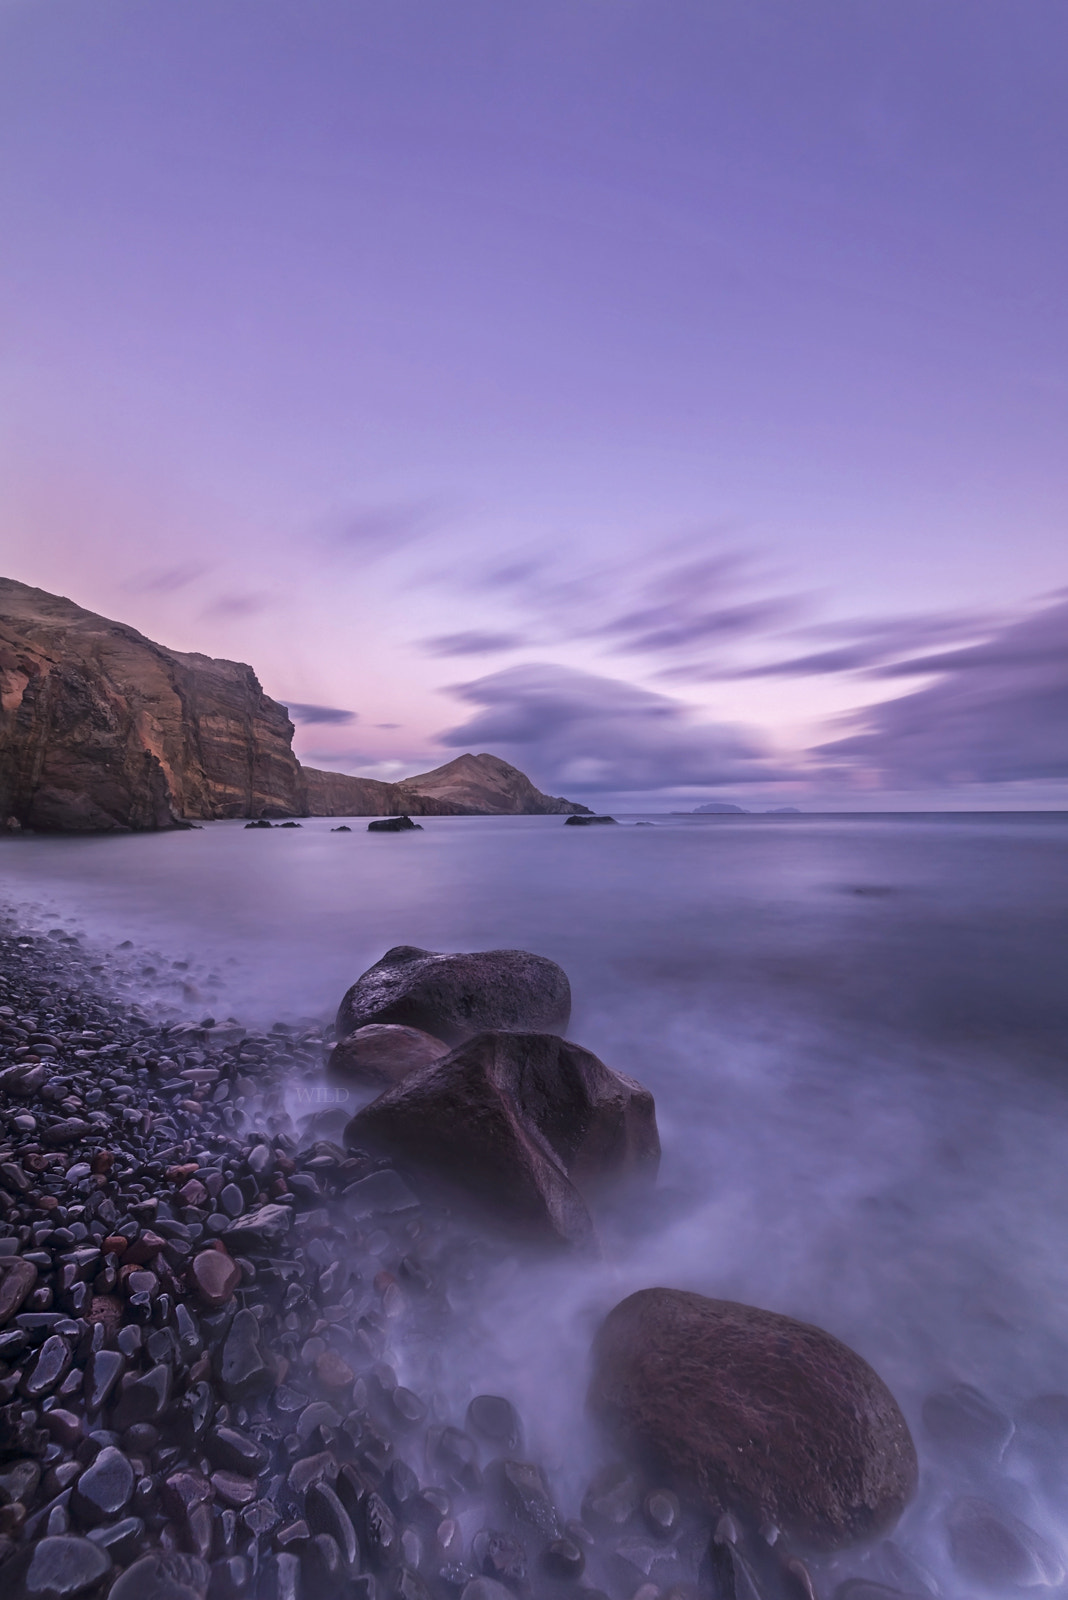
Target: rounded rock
[(751, 1411), (384, 1053), (215, 1276)]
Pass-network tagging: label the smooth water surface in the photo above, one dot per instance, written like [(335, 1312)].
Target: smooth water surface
[(856, 1030)]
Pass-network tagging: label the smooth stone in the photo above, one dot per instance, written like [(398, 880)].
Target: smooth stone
[(17, 1280), (244, 1367), (744, 1408), (526, 1124), (495, 1419), (58, 1567), (102, 1373), (104, 1489), (50, 1368), (992, 1548), (324, 1513), (215, 1275), (163, 1575), (384, 1053), (453, 997), (258, 1229)]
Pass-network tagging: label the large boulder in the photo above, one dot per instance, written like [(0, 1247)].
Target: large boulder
[(384, 1053), (751, 1412), (456, 996), (524, 1123)]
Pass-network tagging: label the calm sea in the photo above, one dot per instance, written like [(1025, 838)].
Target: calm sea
[(856, 1029)]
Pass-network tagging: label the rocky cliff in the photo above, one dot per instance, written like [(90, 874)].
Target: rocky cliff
[(336, 794), (488, 786), (101, 729)]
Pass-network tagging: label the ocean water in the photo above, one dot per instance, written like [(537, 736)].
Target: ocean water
[(856, 1030)]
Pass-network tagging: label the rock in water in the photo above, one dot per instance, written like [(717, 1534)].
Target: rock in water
[(755, 1413), (394, 825), (587, 822), (454, 997), (384, 1053), (525, 1123)]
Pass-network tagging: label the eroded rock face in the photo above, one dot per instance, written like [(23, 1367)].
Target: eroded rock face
[(385, 1053), (100, 729), (754, 1413), (524, 1123), (453, 997)]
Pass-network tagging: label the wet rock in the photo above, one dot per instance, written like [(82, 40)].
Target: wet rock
[(486, 1589), (661, 1511), (453, 997), (17, 1280), (57, 1568), (727, 1575), (963, 1419), (244, 1366), (746, 1409), (50, 1368), (500, 1556), (163, 1575), (142, 1399), (103, 1371), (495, 1419), (384, 1053), (586, 822), (564, 1558), (324, 1513), (525, 1123), (380, 1192), (259, 1230), (379, 1534), (104, 1489), (215, 1275), (394, 825), (611, 1500), (234, 1451), (455, 1454), (526, 1494), (121, 1540), (992, 1548)]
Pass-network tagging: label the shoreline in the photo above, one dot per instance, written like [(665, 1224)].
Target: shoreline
[(201, 1321)]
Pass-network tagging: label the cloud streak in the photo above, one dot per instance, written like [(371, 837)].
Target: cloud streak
[(997, 713), (300, 712), (586, 732)]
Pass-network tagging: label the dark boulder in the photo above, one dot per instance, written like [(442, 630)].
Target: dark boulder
[(394, 825), (752, 1412), (587, 822), (454, 997), (525, 1123), (384, 1053), (261, 822)]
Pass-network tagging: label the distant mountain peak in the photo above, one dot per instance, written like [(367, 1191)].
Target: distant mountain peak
[(720, 807)]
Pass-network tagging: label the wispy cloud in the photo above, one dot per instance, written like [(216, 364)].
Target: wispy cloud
[(165, 580), (370, 532), (578, 729), (239, 605), (473, 643), (301, 712), (997, 712)]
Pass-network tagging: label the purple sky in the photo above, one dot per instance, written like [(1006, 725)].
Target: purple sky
[(669, 397)]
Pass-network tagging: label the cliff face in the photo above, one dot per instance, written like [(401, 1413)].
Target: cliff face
[(488, 786), (336, 794), (101, 729)]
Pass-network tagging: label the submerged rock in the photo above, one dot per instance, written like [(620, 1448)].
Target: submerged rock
[(587, 822), (749, 1411), (394, 825), (384, 1053), (453, 997), (525, 1123), (992, 1548)]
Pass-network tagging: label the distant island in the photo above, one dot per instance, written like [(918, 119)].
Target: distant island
[(101, 730), (718, 808)]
